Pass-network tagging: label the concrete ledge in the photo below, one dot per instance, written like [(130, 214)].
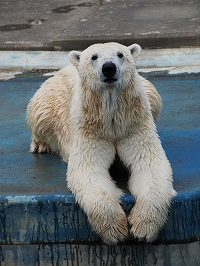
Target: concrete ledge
[(172, 60), (51, 219), (147, 40)]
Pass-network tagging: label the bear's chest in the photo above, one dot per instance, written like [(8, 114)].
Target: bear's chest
[(117, 125), (118, 115), (112, 116)]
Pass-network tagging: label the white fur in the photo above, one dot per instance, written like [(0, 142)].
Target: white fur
[(87, 121)]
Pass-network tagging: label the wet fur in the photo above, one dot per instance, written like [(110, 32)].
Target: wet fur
[(88, 122)]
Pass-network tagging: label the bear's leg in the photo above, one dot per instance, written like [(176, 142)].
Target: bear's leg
[(88, 178), (150, 183)]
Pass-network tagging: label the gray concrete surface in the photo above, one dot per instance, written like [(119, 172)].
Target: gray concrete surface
[(75, 24)]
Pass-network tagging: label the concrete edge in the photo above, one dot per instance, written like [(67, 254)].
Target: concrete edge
[(151, 40), (176, 60), (26, 199), (69, 198), (58, 219)]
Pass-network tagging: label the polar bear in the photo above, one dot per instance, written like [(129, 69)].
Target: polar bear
[(92, 110)]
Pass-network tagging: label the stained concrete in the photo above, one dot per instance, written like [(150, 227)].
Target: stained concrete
[(75, 24), (36, 174)]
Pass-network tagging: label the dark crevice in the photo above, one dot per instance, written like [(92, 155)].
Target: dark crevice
[(119, 173)]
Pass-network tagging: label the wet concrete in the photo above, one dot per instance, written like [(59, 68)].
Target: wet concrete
[(69, 8), (15, 27), (25, 173), (22, 172)]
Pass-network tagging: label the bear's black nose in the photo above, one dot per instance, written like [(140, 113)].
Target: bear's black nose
[(109, 69)]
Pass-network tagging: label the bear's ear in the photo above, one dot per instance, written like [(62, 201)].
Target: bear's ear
[(135, 50), (74, 57)]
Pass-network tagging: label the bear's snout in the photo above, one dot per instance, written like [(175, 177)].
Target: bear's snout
[(109, 70)]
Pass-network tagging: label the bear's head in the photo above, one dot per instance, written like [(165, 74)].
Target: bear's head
[(105, 66)]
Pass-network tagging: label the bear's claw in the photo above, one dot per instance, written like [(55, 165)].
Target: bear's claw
[(39, 147)]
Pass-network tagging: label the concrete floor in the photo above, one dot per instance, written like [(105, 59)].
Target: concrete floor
[(75, 24), (25, 173)]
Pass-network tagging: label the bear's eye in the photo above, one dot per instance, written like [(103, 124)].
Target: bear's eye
[(120, 55), (94, 57)]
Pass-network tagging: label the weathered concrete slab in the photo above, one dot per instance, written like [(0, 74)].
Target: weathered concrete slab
[(61, 25)]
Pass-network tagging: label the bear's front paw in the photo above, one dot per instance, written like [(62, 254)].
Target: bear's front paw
[(111, 226), (39, 147), (116, 232), (144, 226)]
